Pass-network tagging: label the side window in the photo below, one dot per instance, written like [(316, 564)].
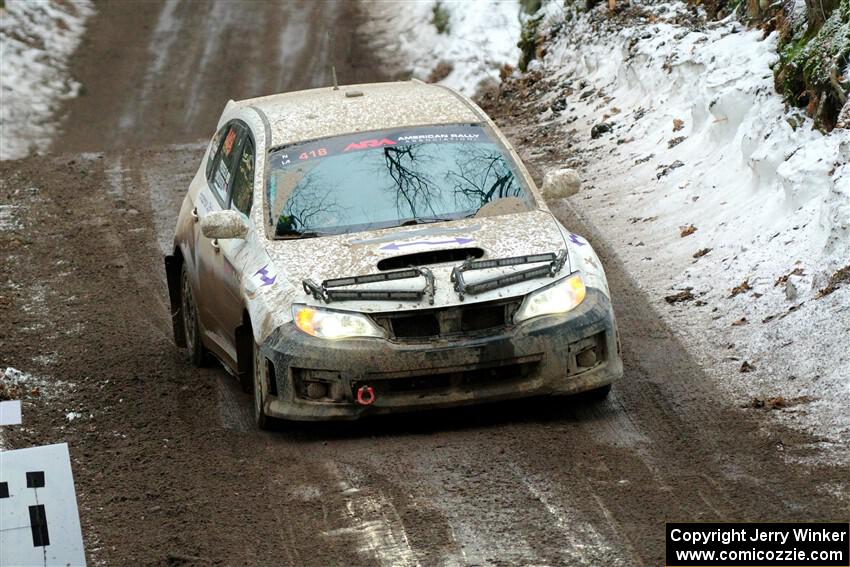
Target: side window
[(216, 142), (224, 167), (243, 185)]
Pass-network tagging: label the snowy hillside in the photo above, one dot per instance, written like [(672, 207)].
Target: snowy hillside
[(36, 40), (459, 44), (731, 212)]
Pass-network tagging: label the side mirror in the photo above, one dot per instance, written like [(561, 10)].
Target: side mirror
[(221, 225), (560, 184)]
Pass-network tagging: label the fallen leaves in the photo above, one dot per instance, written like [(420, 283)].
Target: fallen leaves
[(665, 169), (782, 279), (505, 71), (739, 289), (835, 281), (678, 124), (634, 220), (684, 295), (14, 386), (777, 402), (687, 230), (440, 72), (790, 310), (17, 392), (13, 392)]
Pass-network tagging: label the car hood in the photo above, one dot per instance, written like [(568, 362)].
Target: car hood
[(318, 259)]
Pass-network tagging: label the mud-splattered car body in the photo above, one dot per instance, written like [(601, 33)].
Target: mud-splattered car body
[(434, 313)]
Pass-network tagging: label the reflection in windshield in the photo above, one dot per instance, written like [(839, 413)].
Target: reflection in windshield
[(412, 187), (385, 179), (310, 201)]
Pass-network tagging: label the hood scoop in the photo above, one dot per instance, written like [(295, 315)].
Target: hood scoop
[(427, 257)]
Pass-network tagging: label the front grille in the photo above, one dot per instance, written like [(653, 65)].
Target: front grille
[(475, 318), (448, 321), (416, 325), (456, 379)]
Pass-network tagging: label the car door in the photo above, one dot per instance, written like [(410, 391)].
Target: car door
[(216, 300), (234, 251)]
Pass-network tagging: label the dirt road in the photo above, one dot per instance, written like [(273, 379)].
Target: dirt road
[(159, 72), (169, 470)]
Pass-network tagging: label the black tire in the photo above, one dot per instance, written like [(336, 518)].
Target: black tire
[(245, 348), (597, 394), (259, 389), (191, 326)]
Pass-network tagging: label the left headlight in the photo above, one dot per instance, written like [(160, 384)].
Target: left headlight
[(327, 324), (559, 297)]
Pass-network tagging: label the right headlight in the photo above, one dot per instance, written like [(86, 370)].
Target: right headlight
[(559, 297), (327, 324)]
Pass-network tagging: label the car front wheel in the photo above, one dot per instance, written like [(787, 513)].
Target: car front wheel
[(598, 394), (191, 327), (260, 388)]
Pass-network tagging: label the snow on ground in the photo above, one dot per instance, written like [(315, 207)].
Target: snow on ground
[(8, 217), (18, 385), (36, 39), (479, 37), (705, 183)]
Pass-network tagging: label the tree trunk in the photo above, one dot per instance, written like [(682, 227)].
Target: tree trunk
[(818, 12)]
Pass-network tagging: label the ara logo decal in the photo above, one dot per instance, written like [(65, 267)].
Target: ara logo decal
[(368, 144), (264, 276), (228, 142), (395, 246), (576, 240)]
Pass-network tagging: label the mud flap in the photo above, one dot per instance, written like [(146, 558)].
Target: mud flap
[(173, 265), (245, 356)]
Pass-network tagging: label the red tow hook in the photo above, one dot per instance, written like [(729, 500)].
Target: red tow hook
[(365, 395)]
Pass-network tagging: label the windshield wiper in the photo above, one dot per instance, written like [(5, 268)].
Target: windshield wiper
[(324, 292), (554, 264), (297, 235), (411, 222), (429, 220)]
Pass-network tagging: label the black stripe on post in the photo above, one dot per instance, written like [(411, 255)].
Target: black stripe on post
[(38, 525), (35, 479)]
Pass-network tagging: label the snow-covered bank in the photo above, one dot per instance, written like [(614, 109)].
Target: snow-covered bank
[(459, 44), (713, 196), (36, 39)]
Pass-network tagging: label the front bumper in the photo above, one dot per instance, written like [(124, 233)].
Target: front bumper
[(541, 356)]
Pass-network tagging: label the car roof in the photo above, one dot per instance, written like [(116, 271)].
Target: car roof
[(324, 112)]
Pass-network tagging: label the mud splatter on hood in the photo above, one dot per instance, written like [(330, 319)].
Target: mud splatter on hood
[(318, 259)]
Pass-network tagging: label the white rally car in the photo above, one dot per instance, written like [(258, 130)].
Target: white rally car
[(378, 248)]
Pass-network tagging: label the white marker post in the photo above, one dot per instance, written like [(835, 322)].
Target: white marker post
[(39, 522), (10, 412)]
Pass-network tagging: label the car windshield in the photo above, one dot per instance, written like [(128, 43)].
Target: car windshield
[(389, 178)]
